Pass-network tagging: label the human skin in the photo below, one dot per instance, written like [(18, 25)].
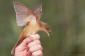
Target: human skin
[(30, 46)]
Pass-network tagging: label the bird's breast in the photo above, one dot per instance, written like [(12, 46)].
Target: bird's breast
[(31, 29)]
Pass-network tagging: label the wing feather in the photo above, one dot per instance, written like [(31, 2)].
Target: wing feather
[(38, 11), (22, 12)]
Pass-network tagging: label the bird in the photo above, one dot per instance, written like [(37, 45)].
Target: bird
[(30, 19)]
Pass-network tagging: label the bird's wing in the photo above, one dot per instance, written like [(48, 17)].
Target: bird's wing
[(38, 11), (23, 14)]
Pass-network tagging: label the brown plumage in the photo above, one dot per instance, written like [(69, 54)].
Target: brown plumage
[(31, 21)]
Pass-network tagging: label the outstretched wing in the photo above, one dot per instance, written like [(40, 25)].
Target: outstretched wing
[(38, 11), (22, 14)]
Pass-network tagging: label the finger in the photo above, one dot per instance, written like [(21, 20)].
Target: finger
[(18, 53), (35, 36), (34, 43), (37, 53), (35, 48)]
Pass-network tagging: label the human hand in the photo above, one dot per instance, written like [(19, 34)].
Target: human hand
[(30, 46)]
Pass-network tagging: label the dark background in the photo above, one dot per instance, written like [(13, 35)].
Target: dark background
[(65, 17)]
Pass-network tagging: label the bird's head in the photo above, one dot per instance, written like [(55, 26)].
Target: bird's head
[(44, 27)]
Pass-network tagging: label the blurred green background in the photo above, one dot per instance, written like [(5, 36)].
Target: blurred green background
[(65, 17)]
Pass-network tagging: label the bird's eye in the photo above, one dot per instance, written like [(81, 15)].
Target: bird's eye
[(48, 28)]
